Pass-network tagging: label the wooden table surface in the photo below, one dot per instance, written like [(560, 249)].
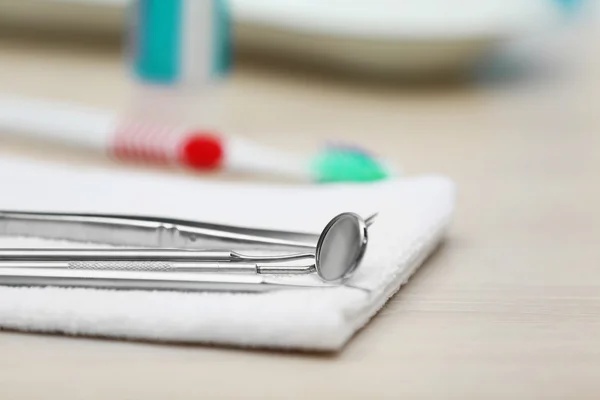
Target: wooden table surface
[(508, 308)]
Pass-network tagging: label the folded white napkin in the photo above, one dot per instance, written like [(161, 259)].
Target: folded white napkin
[(413, 215)]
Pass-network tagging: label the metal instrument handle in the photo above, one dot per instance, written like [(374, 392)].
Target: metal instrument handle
[(57, 254), (165, 266), (120, 254), (148, 266), (136, 280), (144, 231)]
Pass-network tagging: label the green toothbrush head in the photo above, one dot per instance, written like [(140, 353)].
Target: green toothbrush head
[(347, 164)]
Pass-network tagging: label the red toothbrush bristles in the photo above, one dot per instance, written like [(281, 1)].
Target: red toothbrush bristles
[(203, 151), (142, 141)]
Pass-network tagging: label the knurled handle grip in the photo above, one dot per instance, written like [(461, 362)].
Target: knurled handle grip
[(148, 266)]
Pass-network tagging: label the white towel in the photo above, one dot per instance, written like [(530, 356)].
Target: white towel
[(414, 214)]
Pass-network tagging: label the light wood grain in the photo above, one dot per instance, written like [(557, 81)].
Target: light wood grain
[(508, 308)]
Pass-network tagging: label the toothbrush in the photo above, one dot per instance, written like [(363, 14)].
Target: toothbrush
[(154, 142)]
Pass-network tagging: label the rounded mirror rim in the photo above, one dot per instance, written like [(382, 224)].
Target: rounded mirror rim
[(361, 226)]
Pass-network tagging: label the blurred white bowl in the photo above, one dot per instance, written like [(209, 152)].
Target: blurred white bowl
[(382, 36)]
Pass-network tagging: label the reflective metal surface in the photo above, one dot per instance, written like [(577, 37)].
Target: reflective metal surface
[(334, 254), (140, 280), (37, 254), (167, 266), (341, 247), (145, 231)]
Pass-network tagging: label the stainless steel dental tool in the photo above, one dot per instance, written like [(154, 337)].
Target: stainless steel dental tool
[(175, 246)]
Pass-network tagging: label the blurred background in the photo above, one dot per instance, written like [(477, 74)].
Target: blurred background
[(420, 84), (501, 96)]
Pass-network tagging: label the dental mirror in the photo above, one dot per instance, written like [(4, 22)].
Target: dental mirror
[(341, 247)]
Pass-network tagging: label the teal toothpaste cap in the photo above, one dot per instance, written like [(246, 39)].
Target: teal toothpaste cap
[(180, 41)]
